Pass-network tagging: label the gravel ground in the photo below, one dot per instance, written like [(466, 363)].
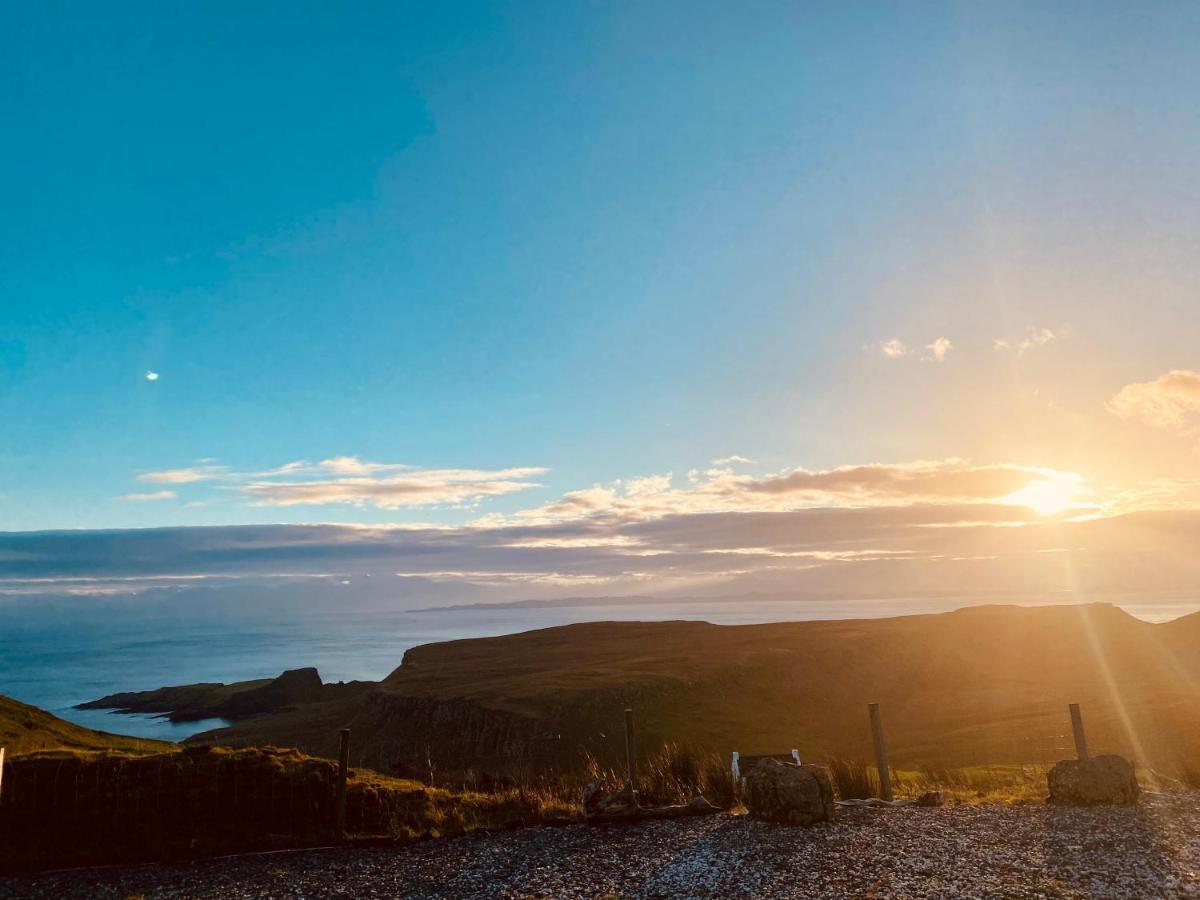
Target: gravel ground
[(1152, 850)]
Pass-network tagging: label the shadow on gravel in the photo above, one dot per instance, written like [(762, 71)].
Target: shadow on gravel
[(1112, 850)]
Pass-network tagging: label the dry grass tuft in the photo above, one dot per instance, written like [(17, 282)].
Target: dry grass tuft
[(852, 780)]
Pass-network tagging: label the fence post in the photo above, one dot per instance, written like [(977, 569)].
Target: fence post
[(630, 750), (881, 760), (343, 774), (1081, 749)]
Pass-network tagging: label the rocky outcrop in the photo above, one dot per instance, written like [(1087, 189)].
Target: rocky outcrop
[(1098, 781), (788, 793), (240, 700)]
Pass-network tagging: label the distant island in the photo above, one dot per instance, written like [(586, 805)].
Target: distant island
[(643, 600), (566, 603)]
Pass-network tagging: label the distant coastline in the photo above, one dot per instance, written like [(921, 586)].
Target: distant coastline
[(1152, 606)]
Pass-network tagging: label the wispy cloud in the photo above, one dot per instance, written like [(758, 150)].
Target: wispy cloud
[(361, 483), (147, 497), (1170, 402), (722, 490), (183, 476), (1033, 337), (351, 481), (732, 460), (935, 350), (151, 375), (938, 349), (917, 547), (921, 526)]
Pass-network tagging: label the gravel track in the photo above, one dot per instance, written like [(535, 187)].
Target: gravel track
[(1152, 850)]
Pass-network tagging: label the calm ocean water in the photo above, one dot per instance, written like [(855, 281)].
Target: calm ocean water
[(58, 659)]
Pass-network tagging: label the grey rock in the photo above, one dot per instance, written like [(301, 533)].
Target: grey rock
[(1100, 780), (787, 793)]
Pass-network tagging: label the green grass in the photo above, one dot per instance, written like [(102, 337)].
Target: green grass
[(27, 729), (976, 686)]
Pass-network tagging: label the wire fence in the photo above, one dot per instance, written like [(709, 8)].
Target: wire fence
[(82, 807)]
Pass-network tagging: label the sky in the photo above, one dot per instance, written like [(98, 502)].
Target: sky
[(546, 297)]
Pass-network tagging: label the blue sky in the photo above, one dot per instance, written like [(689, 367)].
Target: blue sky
[(592, 243)]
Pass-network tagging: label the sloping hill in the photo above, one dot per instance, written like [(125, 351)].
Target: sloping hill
[(25, 729), (975, 686)]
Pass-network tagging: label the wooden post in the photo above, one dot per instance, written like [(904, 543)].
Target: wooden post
[(1081, 750), (630, 750), (343, 774), (881, 760), (1, 771)]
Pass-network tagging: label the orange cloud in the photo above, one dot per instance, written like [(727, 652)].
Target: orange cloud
[(722, 490), (1170, 402)]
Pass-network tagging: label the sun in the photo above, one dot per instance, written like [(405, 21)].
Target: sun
[(1050, 494)]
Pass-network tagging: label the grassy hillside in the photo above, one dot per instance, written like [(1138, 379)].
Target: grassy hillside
[(71, 808), (26, 729), (977, 686)]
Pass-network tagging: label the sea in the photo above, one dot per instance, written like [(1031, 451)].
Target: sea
[(57, 658)]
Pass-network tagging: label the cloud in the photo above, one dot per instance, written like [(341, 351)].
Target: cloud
[(415, 487), (938, 349), (732, 460), (1170, 402), (351, 481), (148, 497), (151, 376), (918, 528), (183, 476), (913, 528), (350, 465), (1033, 337), (884, 483), (894, 348), (920, 549), (720, 490)]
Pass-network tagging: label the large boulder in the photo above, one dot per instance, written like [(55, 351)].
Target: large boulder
[(788, 793), (1100, 780)]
